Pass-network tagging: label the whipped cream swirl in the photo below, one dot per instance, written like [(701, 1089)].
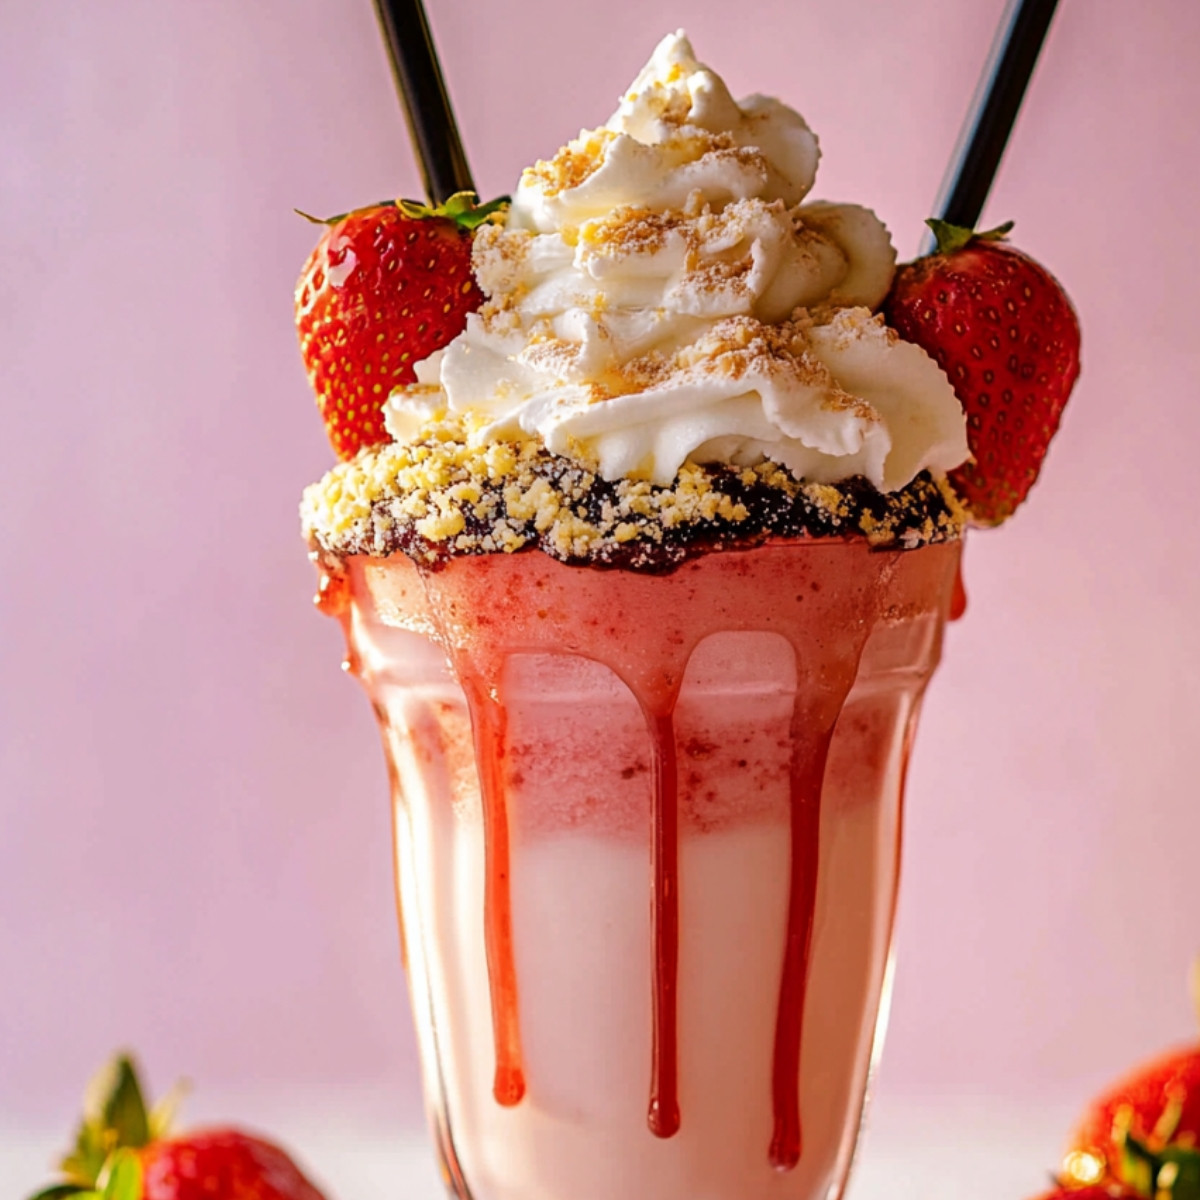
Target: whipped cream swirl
[(661, 293)]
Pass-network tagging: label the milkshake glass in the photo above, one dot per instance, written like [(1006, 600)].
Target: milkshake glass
[(645, 580), (647, 834)]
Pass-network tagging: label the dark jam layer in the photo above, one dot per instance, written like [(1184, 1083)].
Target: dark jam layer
[(442, 498)]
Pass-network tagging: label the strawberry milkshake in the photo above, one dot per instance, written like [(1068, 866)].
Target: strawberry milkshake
[(643, 545)]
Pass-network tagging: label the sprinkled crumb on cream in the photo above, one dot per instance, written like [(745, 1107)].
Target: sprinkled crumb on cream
[(442, 496)]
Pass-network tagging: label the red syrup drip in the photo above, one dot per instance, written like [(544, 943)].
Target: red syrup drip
[(663, 1115), (488, 724), (958, 601), (333, 591), (808, 773)]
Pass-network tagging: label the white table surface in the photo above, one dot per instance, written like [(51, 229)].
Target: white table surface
[(952, 1148)]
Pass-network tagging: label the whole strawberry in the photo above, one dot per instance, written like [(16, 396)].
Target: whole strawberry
[(1143, 1131), (385, 287), (1004, 332), (1158, 1103), (124, 1152)]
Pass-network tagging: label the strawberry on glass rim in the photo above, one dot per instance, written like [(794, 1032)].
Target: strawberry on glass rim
[(124, 1151), (385, 287), (1001, 327)]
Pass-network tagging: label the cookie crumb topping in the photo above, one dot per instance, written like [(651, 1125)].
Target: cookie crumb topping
[(442, 496)]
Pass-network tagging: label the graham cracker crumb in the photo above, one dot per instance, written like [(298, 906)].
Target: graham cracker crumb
[(445, 496)]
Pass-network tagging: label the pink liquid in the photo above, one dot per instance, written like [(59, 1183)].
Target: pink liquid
[(648, 830)]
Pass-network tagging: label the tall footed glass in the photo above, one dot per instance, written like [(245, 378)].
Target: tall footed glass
[(647, 834)]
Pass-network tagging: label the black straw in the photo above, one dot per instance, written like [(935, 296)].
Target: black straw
[(994, 110), (423, 94)]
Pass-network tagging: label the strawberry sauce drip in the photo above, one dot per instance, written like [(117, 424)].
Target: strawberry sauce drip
[(808, 771), (333, 589), (958, 600), (663, 1116), (488, 724)]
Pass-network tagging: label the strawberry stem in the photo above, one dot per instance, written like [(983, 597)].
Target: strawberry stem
[(463, 208), (954, 237)]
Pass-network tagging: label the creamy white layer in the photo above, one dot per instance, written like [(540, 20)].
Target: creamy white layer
[(660, 293), (583, 962)]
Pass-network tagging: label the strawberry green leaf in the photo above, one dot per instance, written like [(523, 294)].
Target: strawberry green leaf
[(954, 237), (91, 1149), (1169, 1173), (313, 220), (1139, 1166), (162, 1115), (418, 210), (121, 1178), (1168, 1120), (463, 208), (483, 212), (342, 216), (60, 1191), (1179, 1172), (113, 1101), (459, 203)]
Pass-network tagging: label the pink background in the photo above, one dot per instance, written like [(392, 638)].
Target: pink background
[(194, 850)]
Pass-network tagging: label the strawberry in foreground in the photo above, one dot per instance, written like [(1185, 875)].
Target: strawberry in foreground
[(1154, 1107), (1004, 332), (124, 1152), (1140, 1137), (1138, 1140), (385, 287)]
